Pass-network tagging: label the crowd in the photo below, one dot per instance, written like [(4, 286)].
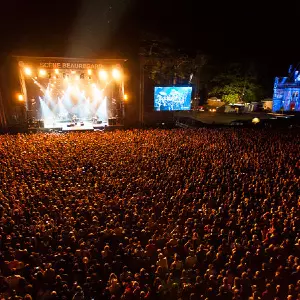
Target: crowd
[(150, 214)]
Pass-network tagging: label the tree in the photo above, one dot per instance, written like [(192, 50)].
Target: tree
[(235, 85), (231, 98), (165, 64)]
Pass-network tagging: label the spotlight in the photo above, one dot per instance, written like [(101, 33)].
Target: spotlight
[(116, 73), (42, 73), (20, 97), (56, 71), (73, 72), (103, 75), (77, 77), (89, 72), (27, 71), (125, 97)]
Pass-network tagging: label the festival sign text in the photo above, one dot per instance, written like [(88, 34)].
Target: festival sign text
[(58, 65)]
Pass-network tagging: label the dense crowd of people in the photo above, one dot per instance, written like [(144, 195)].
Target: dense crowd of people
[(150, 214)]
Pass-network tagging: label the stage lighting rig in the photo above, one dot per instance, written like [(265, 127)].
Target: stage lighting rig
[(103, 75), (42, 73), (116, 74), (20, 97), (28, 71)]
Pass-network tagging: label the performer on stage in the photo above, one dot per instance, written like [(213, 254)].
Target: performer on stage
[(95, 119), (74, 118)]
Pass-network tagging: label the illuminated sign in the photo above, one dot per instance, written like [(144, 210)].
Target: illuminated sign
[(65, 65)]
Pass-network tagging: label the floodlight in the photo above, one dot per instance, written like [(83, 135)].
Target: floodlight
[(103, 75), (116, 74), (27, 71), (42, 73), (20, 97)]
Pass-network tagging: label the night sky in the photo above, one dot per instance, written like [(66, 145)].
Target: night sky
[(266, 34)]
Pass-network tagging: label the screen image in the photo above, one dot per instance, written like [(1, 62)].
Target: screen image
[(286, 95), (286, 99), (172, 98)]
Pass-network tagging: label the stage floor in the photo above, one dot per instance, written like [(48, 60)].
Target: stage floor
[(64, 126)]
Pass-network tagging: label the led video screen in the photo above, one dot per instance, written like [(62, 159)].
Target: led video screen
[(172, 98), (286, 94), (286, 99)]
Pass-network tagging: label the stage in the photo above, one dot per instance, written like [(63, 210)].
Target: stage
[(70, 126), (65, 127), (68, 94)]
